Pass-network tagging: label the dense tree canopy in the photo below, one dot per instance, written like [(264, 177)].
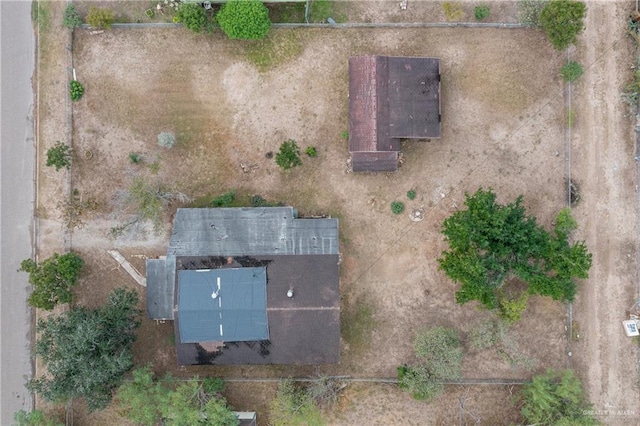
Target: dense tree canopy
[(490, 243), (87, 351), (562, 21), (52, 279), (149, 402), (244, 19)]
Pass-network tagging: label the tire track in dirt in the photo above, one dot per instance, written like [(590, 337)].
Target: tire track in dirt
[(603, 166)]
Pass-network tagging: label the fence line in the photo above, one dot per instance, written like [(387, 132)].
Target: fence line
[(389, 25), (567, 171), (350, 379)]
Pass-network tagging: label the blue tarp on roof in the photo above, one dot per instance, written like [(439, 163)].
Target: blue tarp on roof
[(238, 312)]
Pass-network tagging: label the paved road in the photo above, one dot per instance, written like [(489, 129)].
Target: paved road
[(16, 203)]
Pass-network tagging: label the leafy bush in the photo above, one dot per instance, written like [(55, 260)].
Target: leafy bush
[(289, 154), (631, 93), (244, 19), (440, 355), (411, 194), (419, 383), (511, 309), (440, 350), (192, 16), (311, 151), (258, 201), (135, 157), (452, 11), (481, 12), (52, 279), (529, 11), (562, 21), (571, 71), (154, 167), (224, 200), (59, 156), (484, 335), (555, 398), (100, 18), (86, 352), (71, 18), (344, 135), (166, 140), (34, 418), (76, 90), (294, 406), (397, 207)]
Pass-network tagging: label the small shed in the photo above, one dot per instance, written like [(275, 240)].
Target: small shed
[(391, 98)]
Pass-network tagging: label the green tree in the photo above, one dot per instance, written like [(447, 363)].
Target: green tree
[(244, 19), (555, 398), (289, 155), (34, 418), (86, 352), (562, 21), (192, 16), (71, 18), (147, 401), (53, 279), (59, 156), (490, 243), (100, 18), (293, 406)]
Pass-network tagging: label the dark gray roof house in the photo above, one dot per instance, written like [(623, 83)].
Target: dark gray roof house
[(390, 99), (249, 286)]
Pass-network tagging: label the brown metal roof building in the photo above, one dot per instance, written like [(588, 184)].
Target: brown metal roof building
[(390, 98)]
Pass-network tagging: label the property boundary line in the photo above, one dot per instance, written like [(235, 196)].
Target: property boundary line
[(350, 379), (384, 380), (567, 173), (67, 233), (391, 25)]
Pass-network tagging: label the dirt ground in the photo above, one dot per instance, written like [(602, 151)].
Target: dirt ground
[(603, 149), (503, 127)]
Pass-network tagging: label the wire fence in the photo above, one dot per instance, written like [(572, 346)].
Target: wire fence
[(390, 25)]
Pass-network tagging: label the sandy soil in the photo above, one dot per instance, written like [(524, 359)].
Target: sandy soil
[(503, 118), (603, 149)]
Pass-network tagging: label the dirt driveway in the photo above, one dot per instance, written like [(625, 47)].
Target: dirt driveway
[(603, 147)]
